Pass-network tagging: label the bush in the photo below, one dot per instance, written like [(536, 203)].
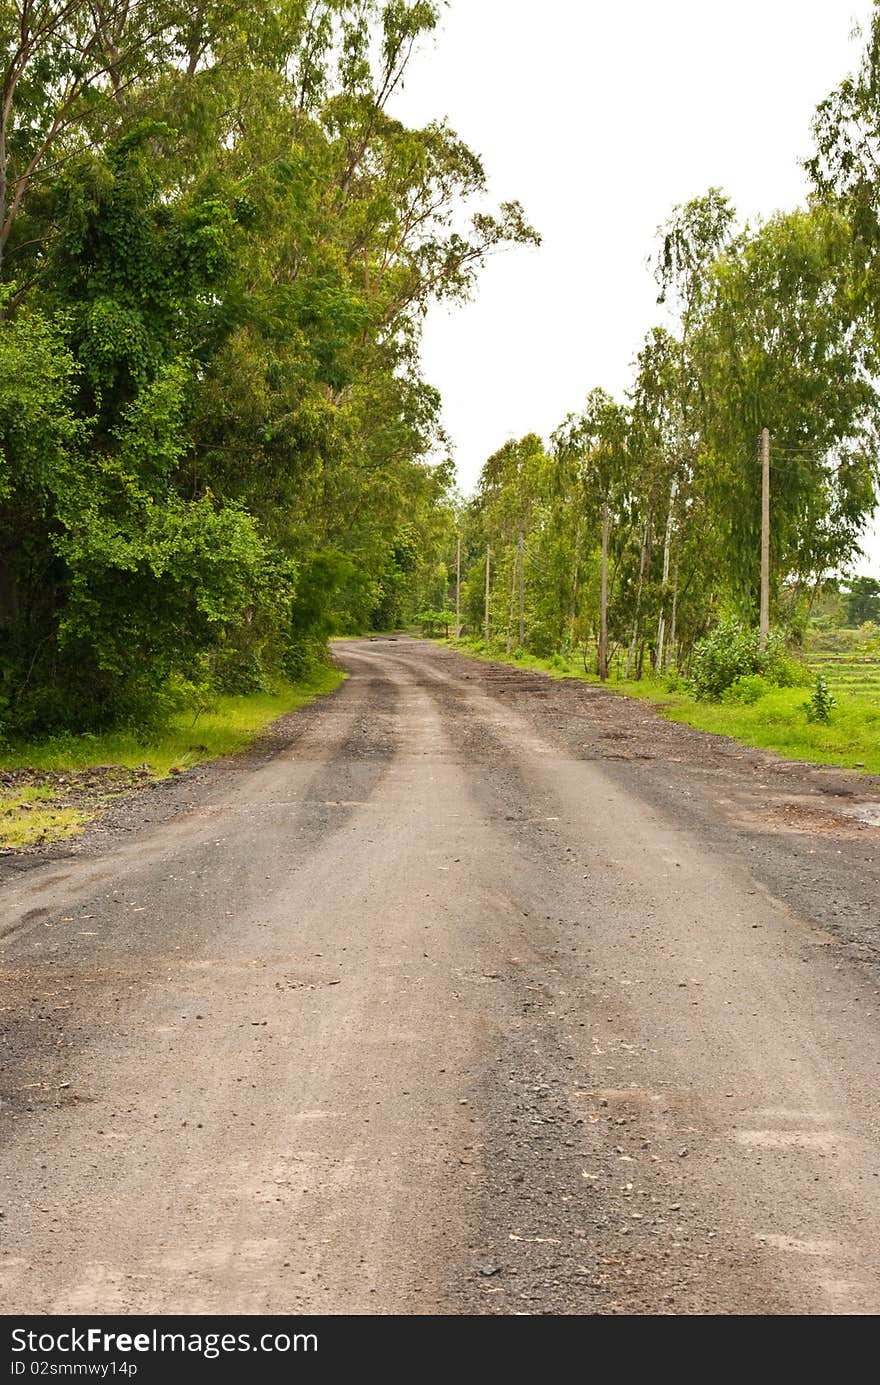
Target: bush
[(543, 639), (727, 653), (821, 702), (747, 689), (436, 622), (239, 671), (783, 671), (732, 652), (303, 655)]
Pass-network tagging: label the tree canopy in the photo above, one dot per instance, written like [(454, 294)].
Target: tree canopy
[(217, 247), (217, 447)]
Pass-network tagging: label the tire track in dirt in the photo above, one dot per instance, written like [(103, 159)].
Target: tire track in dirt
[(771, 1103)]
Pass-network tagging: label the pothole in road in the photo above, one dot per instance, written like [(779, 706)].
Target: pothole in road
[(802, 815), (867, 813)]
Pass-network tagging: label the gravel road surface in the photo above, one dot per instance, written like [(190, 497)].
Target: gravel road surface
[(465, 992)]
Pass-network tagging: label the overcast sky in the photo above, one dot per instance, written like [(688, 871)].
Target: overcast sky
[(599, 116)]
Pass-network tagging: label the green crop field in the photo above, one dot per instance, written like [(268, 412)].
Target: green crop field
[(850, 660), (850, 677)]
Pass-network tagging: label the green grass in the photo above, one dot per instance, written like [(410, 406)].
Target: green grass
[(35, 812), (777, 722), (188, 738), (557, 667), (25, 818)]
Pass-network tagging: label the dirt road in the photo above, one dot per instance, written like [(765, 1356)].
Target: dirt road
[(473, 993)]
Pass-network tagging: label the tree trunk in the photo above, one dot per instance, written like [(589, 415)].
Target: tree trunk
[(667, 549), (486, 619), (4, 175), (672, 633), (603, 598), (574, 580), (643, 557), (521, 551)]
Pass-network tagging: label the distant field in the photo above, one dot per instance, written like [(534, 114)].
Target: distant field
[(850, 659), (850, 677)]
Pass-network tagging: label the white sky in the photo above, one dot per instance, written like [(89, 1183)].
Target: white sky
[(599, 117)]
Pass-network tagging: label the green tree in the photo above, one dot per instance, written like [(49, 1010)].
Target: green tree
[(862, 600), (592, 447), (218, 246), (778, 347)]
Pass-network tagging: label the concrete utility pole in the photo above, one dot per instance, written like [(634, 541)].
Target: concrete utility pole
[(521, 550), (458, 589), (486, 617), (765, 536), (512, 599)]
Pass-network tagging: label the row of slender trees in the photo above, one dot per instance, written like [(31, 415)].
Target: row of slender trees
[(638, 524)]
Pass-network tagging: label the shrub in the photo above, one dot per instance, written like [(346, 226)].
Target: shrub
[(731, 652), (436, 622), (543, 639), (783, 671), (821, 702), (749, 688), (239, 671), (303, 655), (727, 653)]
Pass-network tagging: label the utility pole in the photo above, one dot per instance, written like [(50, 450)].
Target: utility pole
[(765, 536), (522, 589), (458, 589), (509, 646), (486, 617)]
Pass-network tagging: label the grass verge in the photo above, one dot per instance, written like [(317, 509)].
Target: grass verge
[(51, 788), (776, 722), (30, 816)]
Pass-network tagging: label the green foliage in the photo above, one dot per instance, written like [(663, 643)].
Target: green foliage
[(862, 600), (747, 688), (180, 739), (783, 671), (821, 702), (729, 652), (216, 251), (435, 622), (730, 662)]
